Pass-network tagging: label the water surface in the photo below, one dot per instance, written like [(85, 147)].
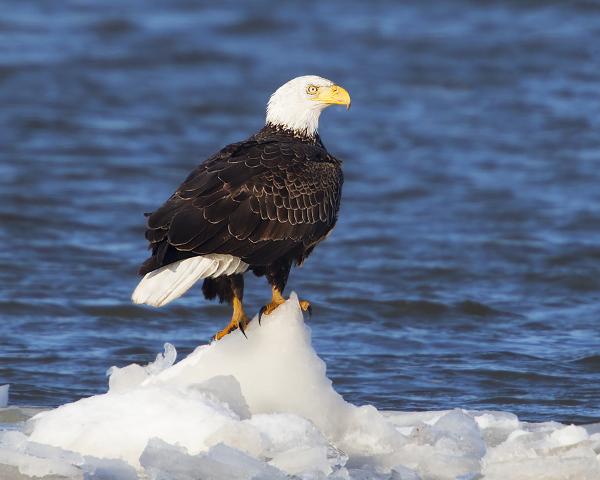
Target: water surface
[(464, 270)]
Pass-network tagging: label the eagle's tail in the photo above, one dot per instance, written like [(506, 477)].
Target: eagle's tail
[(167, 283)]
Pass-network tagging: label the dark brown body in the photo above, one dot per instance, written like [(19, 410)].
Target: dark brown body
[(267, 200)]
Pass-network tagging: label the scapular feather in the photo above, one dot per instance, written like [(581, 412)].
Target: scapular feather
[(267, 200)]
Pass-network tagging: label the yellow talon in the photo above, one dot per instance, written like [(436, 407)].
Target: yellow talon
[(239, 320), (276, 300), (306, 306)]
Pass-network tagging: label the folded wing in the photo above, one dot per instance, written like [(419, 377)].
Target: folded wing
[(255, 200)]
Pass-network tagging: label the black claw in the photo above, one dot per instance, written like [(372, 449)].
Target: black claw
[(260, 313), (241, 327)]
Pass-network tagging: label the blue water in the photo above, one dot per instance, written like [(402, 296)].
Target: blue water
[(465, 268)]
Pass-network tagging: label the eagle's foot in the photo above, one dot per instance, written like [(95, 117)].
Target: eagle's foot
[(306, 306), (235, 323), (238, 320), (268, 309), (278, 300)]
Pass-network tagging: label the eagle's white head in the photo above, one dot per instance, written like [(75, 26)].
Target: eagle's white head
[(297, 104)]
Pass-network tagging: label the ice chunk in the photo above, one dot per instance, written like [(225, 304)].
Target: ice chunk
[(126, 378), (280, 371), (303, 460), (403, 473), (460, 435), (241, 436), (107, 469), (21, 459), (289, 442), (119, 425), (37, 460), (496, 426), (569, 435), (163, 360), (296, 446), (592, 428), (550, 451), (4, 395), (226, 388), (167, 462), (450, 448)]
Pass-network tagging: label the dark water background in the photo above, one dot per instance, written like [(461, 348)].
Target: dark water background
[(465, 268)]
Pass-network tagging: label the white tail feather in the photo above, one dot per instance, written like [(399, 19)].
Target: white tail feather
[(164, 285)]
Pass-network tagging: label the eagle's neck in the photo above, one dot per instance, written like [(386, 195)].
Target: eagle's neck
[(272, 130), (291, 111)]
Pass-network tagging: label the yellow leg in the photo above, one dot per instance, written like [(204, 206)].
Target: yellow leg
[(276, 300), (239, 320)]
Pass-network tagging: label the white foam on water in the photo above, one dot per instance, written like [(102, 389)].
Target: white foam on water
[(263, 408)]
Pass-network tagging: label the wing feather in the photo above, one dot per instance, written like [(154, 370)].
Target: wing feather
[(258, 200)]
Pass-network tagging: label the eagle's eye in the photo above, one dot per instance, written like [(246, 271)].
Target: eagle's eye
[(311, 89)]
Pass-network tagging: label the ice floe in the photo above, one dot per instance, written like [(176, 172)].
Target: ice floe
[(263, 408)]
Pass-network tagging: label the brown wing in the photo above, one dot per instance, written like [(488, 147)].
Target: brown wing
[(255, 200)]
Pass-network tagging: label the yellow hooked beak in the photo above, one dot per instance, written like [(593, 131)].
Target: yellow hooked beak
[(333, 95)]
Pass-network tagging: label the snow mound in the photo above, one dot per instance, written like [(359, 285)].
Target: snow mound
[(263, 408)]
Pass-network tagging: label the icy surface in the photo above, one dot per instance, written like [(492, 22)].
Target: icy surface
[(126, 378), (263, 408)]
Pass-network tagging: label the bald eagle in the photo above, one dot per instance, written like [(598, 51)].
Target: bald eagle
[(261, 205)]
